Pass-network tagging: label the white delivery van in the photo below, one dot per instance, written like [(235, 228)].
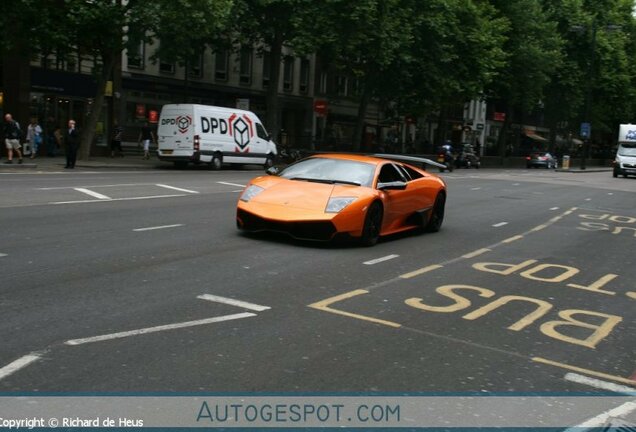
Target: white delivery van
[(215, 135), (625, 160)]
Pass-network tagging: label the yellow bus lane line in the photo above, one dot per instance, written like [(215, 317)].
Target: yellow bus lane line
[(584, 371)]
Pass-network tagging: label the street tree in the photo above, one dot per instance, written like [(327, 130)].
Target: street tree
[(534, 50)]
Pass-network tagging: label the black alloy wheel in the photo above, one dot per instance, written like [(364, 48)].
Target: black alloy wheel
[(372, 225)]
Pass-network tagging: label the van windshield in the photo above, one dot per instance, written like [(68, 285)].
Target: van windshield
[(627, 150)]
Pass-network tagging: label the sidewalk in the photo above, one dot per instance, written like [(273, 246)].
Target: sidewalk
[(58, 163)]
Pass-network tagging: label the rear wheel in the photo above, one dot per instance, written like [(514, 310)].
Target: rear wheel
[(216, 162), (437, 216), (372, 225)]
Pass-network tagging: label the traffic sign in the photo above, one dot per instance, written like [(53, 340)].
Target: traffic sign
[(586, 130)]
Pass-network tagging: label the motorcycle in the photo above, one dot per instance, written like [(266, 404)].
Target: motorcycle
[(447, 159)]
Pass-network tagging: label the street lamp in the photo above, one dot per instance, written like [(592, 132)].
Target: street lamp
[(586, 126)]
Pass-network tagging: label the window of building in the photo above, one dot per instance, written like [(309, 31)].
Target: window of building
[(221, 65), (323, 82), (267, 67), (136, 55), (303, 85), (341, 85), (195, 67), (288, 73), (245, 67), (166, 67)]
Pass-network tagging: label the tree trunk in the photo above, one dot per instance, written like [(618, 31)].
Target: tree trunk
[(273, 121), (362, 114), (88, 130)]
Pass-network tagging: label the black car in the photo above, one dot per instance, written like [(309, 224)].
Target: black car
[(541, 160)]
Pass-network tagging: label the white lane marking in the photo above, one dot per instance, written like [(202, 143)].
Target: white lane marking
[(18, 364), (158, 329), (233, 302), (92, 193), (157, 227), (516, 184), (118, 199), (95, 186), (554, 208), (610, 193), (177, 189), (601, 419), (379, 260), (231, 184), (2, 255), (597, 383), (500, 224), (475, 188), (588, 199)]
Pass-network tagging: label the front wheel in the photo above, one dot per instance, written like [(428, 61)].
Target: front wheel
[(437, 216), (269, 162), (372, 225)]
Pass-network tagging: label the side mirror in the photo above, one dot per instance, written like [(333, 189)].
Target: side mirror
[(272, 170), (394, 185)]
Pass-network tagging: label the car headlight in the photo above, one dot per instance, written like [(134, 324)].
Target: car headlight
[(250, 192), (337, 204)]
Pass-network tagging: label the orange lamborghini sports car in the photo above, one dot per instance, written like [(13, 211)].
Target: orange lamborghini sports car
[(332, 195)]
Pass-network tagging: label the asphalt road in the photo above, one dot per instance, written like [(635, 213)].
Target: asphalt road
[(120, 281)]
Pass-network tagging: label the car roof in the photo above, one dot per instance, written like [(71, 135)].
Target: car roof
[(352, 157)]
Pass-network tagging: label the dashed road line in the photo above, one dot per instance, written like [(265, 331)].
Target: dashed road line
[(157, 227), (177, 189), (512, 239), (231, 184), (18, 364), (93, 193), (382, 259), (597, 383), (117, 199), (2, 255), (584, 371), (160, 328), (476, 253), (421, 271), (554, 208), (233, 302), (500, 224)]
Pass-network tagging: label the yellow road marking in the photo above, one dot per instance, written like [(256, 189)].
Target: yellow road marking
[(584, 371), (476, 253), (511, 239), (323, 305), (421, 271), (631, 294), (539, 228)]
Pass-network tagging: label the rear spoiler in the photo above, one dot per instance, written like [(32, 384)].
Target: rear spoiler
[(402, 158)]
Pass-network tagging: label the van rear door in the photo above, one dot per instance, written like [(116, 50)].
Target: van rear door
[(175, 134)]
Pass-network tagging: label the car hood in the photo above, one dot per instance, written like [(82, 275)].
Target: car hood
[(300, 194)]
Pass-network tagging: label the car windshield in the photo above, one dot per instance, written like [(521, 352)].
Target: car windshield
[(627, 150), (331, 171)]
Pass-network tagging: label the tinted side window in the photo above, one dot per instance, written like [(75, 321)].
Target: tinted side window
[(389, 173), (412, 173), (261, 132)]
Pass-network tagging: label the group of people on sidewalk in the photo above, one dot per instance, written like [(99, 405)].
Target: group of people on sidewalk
[(57, 138)]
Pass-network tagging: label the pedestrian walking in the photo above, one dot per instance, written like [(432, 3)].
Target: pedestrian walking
[(115, 142), (72, 141), (145, 136), (34, 137), (12, 134)]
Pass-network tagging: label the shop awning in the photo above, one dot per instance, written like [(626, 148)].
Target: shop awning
[(533, 135)]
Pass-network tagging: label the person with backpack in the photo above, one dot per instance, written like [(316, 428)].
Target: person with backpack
[(12, 134)]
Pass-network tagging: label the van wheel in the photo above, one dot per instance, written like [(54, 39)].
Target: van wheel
[(216, 162), (269, 162)]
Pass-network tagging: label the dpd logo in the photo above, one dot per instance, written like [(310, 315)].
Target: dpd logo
[(242, 129), (183, 123)]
